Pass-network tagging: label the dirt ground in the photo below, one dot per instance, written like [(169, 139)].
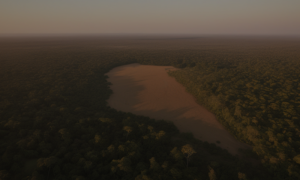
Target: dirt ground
[(149, 91)]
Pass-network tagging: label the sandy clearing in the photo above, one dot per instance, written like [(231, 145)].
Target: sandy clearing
[(149, 91)]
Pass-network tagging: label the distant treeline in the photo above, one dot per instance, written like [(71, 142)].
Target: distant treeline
[(55, 122)]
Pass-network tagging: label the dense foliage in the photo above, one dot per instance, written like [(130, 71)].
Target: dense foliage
[(55, 124), (257, 99)]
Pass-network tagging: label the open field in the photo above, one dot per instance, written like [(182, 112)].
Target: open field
[(149, 91)]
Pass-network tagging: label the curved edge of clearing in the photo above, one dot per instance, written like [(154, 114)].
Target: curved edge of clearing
[(149, 91)]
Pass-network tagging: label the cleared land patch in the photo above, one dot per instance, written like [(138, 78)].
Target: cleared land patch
[(149, 91)]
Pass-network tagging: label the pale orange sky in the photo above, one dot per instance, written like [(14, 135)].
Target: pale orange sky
[(255, 17)]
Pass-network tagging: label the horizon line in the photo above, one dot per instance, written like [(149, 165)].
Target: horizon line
[(142, 35)]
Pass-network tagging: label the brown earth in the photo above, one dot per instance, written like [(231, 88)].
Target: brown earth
[(149, 91)]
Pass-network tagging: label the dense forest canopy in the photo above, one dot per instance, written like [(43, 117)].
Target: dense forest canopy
[(55, 122)]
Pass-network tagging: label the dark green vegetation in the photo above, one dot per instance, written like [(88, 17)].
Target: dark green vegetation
[(54, 122), (257, 99)]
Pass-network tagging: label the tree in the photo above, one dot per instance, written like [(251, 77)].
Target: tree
[(176, 154), (297, 159), (150, 128), (111, 148), (212, 174), (160, 134), (44, 163), (125, 164), (128, 129), (97, 138), (153, 164), (187, 151), (165, 165), (176, 173), (242, 176)]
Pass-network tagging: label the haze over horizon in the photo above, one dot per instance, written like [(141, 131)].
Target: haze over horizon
[(170, 17)]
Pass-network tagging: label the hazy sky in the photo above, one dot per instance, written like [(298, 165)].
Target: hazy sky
[(271, 17)]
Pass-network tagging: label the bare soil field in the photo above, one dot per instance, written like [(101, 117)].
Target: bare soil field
[(149, 91)]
